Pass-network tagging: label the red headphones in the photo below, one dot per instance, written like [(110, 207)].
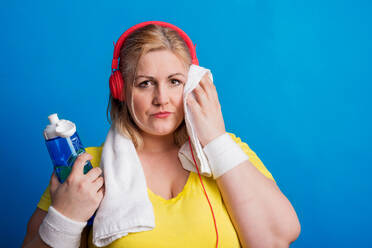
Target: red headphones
[(116, 80)]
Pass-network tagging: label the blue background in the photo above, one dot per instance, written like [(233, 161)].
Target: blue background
[(293, 78)]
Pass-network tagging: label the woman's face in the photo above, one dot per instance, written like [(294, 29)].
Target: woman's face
[(158, 87)]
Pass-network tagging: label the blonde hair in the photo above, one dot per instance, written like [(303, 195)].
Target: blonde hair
[(146, 39)]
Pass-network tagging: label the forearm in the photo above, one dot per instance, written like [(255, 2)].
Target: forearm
[(36, 242), (32, 238), (51, 228), (261, 214)]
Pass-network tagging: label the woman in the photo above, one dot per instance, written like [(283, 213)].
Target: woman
[(250, 208)]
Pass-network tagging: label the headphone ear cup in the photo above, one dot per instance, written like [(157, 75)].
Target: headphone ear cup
[(117, 86)]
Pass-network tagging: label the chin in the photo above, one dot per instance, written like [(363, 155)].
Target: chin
[(162, 131)]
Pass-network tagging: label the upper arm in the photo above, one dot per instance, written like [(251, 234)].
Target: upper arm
[(34, 224)]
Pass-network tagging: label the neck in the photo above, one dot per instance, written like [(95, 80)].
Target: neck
[(157, 144)]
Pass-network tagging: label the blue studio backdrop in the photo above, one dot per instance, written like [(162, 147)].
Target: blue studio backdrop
[(293, 78)]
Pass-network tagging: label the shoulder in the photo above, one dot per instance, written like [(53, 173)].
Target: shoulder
[(253, 158), (243, 145)]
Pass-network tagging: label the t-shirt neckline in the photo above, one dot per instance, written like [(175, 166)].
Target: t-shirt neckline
[(177, 197)]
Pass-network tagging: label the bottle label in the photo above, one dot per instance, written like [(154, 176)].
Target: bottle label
[(64, 152)]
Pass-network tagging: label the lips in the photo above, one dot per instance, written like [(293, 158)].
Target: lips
[(162, 114)]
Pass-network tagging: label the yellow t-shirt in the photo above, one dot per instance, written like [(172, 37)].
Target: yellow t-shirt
[(185, 220)]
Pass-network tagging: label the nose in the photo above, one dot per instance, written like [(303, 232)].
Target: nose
[(161, 95)]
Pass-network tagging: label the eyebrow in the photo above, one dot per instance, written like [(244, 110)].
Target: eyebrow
[(174, 74)]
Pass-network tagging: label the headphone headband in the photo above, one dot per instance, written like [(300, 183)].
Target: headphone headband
[(119, 43)]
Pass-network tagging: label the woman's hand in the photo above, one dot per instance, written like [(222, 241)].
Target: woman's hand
[(80, 195), (206, 111)]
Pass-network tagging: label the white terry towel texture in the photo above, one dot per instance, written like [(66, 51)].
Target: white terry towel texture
[(126, 207), (195, 74)]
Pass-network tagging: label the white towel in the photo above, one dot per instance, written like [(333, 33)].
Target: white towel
[(126, 207), (195, 74)]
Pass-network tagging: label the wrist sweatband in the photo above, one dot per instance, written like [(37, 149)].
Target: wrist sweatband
[(223, 154), (58, 231)]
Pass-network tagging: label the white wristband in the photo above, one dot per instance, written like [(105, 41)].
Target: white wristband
[(223, 154), (58, 231)]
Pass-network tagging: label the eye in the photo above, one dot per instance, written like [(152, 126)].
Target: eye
[(176, 81), (144, 84)]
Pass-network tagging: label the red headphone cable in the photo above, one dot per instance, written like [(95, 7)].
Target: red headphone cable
[(214, 219)]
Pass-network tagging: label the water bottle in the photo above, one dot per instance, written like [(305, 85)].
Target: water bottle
[(64, 146)]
